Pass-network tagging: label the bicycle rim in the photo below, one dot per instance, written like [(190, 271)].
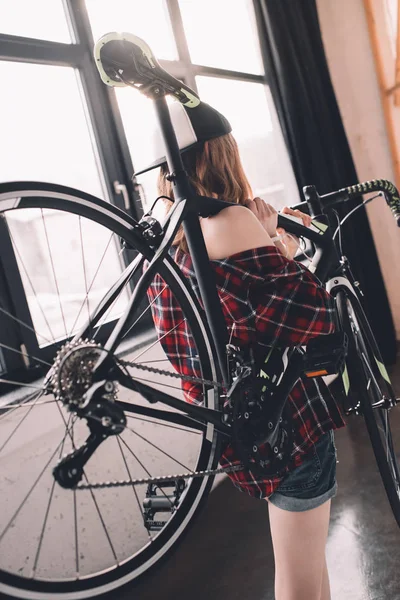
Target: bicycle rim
[(372, 382), (104, 542)]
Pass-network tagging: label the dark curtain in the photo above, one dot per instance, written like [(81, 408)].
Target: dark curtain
[(312, 126)]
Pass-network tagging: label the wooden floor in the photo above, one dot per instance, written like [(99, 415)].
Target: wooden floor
[(228, 554)]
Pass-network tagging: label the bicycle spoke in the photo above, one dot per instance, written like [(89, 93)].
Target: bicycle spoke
[(54, 272), (133, 487), (101, 519), (158, 360), (31, 489), (13, 408), (19, 384), (4, 311), (29, 279), (69, 428), (25, 405), (144, 468), (92, 282), (162, 424), (104, 318), (46, 516), (143, 313), (158, 340), (44, 362), (18, 425), (158, 448), (68, 432)]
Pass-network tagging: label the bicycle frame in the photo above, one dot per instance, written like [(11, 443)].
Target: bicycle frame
[(186, 210)]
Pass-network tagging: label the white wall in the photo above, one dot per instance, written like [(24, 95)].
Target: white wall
[(351, 62)]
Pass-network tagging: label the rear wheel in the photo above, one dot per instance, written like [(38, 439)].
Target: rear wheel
[(69, 544), (370, 383)]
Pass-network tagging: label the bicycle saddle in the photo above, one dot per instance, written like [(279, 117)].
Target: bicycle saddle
[(123, 59)]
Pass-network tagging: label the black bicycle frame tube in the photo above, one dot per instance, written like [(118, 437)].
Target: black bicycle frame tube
[(204, 274), (325, 259), (110, 297), (199, 414)]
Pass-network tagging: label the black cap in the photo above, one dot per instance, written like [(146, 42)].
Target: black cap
[(193, 127)]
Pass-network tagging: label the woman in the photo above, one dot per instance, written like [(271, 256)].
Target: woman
[(268, 299)]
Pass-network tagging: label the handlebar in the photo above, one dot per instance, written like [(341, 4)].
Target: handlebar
[(379, 185), (318, 204)]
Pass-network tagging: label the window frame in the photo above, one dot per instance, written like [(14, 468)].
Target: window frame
[(106, 125)]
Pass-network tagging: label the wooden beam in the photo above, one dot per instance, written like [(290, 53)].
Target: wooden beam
[(386, 99)]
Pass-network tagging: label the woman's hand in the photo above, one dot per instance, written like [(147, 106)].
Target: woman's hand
[(297, 213), (265, 213), (290, 242)]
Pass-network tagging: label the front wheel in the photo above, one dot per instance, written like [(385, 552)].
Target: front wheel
[(370, 384)]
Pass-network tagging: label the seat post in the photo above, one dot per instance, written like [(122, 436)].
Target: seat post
[(204, 274), (173, 155)]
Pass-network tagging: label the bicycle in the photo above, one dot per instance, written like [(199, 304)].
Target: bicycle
[(83, 363)]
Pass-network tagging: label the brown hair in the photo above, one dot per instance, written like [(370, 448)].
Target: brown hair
[(214, 170)]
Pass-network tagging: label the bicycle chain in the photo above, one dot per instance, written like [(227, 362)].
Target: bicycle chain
[(169, 374), (167, 478)]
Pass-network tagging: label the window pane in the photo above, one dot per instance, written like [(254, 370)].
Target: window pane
[(250, 110), (139, 119), (45, 136), (391, 11), (149, 20), (222, 34), (41, 19)]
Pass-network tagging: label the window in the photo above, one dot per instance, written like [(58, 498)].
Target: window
[(391, 13), (60, 124), (222, 34), (148, 20), (250, 110), (45, 135), (215, 43), (41, 19)]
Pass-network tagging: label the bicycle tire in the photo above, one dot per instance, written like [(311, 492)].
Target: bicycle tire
[(370, 381), (29, 196)]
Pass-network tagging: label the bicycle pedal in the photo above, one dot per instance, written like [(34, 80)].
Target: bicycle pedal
[(155, 525), (326, 355), (155, 503)]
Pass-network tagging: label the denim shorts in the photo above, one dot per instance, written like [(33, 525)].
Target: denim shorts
[(313, 482)]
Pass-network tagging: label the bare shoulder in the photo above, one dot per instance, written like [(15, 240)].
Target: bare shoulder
[(234, 229)]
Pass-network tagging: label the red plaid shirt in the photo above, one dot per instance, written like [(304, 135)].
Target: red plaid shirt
[(267, 300)]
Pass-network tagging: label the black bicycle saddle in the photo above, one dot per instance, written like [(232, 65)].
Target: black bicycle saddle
[(123, 59)]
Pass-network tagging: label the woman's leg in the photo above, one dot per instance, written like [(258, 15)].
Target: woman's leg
[(326, 590), (299, 540)]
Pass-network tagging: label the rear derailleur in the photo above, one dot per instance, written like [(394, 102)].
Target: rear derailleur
[(104, 419)]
